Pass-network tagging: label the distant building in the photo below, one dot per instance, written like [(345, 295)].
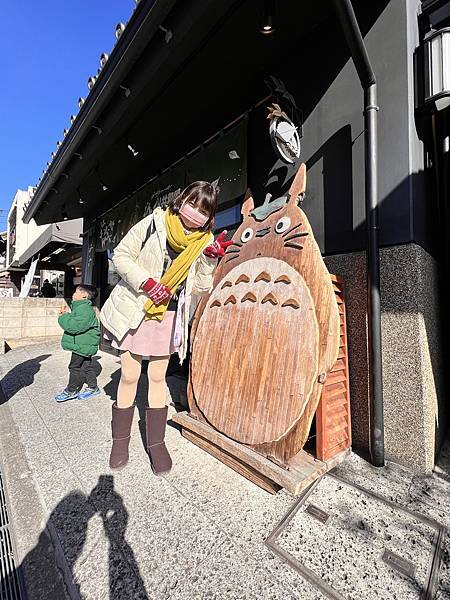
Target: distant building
[(8, 287), (56, 247)]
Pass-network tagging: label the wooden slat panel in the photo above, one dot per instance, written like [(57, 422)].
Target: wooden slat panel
[(338, 404), (337, 438), (333, 415), (335, 389), (335, 450), (338, 366), (336, 377), (336, 423)]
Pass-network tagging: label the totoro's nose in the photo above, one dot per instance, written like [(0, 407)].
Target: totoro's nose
[(262, 232)]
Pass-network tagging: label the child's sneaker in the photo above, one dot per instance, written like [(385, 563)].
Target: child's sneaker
[(89, 393), (66, 395)]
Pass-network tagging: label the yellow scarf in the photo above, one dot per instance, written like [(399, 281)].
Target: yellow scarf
[(190, 246)]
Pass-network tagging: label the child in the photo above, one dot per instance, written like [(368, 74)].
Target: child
[(166, 261), (81, 337)]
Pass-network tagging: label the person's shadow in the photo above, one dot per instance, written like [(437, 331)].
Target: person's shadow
[(20, 376), (67, 529), (115, 520)]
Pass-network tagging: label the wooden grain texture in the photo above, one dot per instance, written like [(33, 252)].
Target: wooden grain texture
[(231, 461), (333, 417), (283, 235), (296, 439), (248, 359), (301, 471)]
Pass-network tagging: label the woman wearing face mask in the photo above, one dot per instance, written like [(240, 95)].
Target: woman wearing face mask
[(166, 262)]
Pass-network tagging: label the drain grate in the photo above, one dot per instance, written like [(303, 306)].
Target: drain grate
[(10, 583)]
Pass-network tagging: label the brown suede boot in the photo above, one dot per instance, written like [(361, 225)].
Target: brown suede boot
[(155, 419), (122, 418)]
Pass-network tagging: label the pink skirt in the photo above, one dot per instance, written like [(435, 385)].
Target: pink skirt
[(151, 338)]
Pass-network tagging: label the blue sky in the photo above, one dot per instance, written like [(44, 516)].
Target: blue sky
[(48, 50)]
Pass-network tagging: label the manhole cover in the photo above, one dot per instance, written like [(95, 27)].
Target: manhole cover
[(353, 544)]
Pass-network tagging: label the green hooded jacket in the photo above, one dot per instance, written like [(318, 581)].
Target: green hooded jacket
[(81, 329)]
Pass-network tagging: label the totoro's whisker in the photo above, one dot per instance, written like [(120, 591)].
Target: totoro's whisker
[(292, 229), (239, 244), (292, 245), (232, 258), (232, 250), (297, 235)]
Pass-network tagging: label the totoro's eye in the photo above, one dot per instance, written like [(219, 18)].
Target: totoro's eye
[(247, 235), (283, 225)]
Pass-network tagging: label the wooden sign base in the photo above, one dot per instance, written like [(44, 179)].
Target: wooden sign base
[(299, 473), (331, 442)]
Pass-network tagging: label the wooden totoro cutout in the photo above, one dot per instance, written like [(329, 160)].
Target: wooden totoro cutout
[(268, 335)]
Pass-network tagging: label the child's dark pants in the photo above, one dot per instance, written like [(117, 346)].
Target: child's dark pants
[(81, 371)]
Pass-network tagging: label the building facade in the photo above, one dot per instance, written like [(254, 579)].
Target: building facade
[(56, 247), (184, 96)]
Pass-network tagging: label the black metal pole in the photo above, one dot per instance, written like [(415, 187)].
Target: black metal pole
[(366, 76), (373, 278)]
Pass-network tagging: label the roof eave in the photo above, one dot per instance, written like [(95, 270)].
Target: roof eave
[(145, 21)]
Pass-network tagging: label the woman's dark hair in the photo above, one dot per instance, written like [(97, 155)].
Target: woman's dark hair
[(90, 290), (202, 195)]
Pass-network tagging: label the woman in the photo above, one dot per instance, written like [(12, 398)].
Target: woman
[(165, 262)]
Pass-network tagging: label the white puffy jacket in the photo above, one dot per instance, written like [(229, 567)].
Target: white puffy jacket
[(135, 263)]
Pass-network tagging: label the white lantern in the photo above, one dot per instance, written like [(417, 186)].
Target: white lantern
[(437, 68)]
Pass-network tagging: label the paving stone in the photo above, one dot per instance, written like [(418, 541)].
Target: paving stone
[(392, 481), (431, 496), (230, 573), (219, 490), (197, 532), (106, 575), (74, 521), (167, 534), (348, 549)]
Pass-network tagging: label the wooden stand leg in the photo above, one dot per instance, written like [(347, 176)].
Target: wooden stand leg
[(231, 461), (301, 471)]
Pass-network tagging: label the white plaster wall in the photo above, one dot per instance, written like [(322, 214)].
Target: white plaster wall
[(25, 234)]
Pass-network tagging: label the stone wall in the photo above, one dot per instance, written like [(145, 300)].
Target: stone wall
[(415, 410), (29, 318)]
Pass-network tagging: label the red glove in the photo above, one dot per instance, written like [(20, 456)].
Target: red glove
[(158, 292), (218, 247)]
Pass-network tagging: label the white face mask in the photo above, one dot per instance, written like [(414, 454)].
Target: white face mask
[(193, 215)]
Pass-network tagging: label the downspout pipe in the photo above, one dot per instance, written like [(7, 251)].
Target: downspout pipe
[(350, 27)]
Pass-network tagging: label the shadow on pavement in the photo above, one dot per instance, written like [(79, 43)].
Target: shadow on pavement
[(21, 376), (69, 522), (96, 364)]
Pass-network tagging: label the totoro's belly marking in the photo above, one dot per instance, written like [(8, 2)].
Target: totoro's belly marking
[(272, 296)]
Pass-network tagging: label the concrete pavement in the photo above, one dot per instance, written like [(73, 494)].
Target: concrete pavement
[(85, 532)]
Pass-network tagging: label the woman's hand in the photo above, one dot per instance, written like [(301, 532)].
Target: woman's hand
[(158, 292), (218, 247), (63, 310)]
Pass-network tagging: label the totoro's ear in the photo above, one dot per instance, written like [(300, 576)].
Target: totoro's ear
[(248, 205), (298, 186)]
